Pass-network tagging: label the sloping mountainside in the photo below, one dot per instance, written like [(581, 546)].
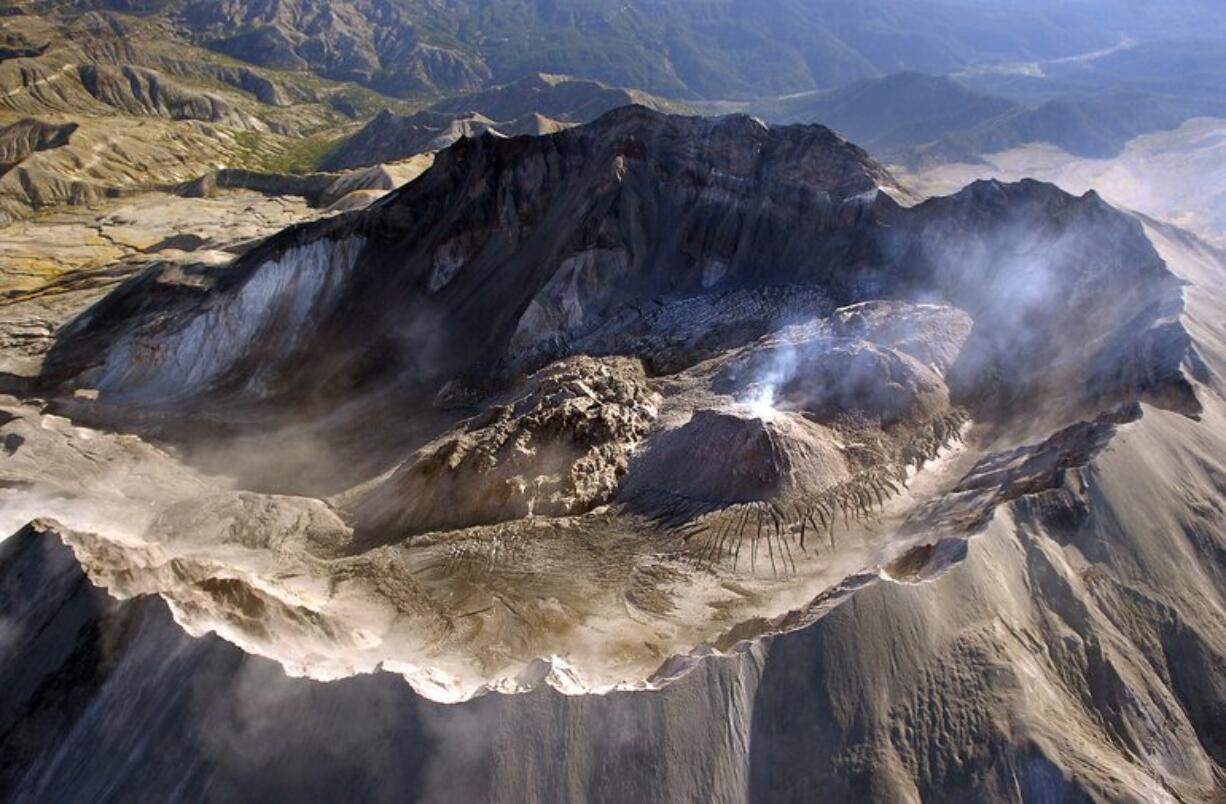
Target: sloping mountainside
[(163, 93), (824, 494), (572, 228), (1088, 107), (106, 64), (711, 48), (893, 116), (97, 106), (1094, 106), (1151, 175)]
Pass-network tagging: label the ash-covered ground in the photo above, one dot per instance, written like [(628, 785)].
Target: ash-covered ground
[(666, 404)]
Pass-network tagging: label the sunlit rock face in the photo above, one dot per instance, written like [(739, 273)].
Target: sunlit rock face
[(557, 448), (259, 325), (507, 250), (509, 254), (880, 446)]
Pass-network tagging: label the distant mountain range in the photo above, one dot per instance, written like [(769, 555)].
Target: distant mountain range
[(713, 49), (538, 104), (1088, 107), (158, 93)]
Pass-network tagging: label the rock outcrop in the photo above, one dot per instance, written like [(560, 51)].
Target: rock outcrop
[(138, 91), (19, 140), (567, 218), (557, 447), (569, 236)]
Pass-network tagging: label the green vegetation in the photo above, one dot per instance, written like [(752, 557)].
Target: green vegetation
[(269, 153)]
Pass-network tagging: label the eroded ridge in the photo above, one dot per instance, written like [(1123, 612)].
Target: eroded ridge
[(597, 399)]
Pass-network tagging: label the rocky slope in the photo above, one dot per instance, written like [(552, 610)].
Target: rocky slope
[(102, 105), (692, 413), (376, 43), (1151, 174), (1036, 665), (104, 64), (25, 137), (551, 198), (574, 229)]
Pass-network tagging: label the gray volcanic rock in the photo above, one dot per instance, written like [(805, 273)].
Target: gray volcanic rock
[(585, 209), (828, 378), (728, 457), (872, 597), (557, 447), (843, 703), (559, 237), (675, 334), (933, 335)]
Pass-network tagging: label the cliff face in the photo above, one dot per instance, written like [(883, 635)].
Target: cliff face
[(509, 253), (635, 205), (751, 482)]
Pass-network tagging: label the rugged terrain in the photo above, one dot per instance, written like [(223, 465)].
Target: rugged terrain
[(708, 49), (1092, 106), (105, 100), (1151, 174), (537, 104), (710, 417), (97, 106)]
